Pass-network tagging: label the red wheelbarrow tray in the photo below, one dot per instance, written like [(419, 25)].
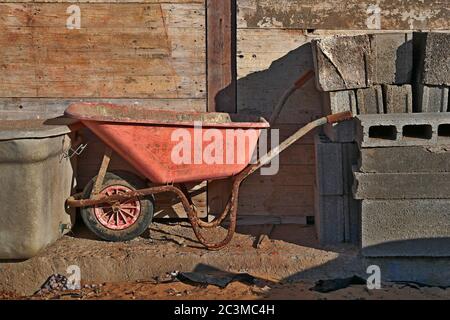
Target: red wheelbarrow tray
[(145, 138)]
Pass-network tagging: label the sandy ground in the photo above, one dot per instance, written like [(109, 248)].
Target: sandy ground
[(287, 266), (237, 291)]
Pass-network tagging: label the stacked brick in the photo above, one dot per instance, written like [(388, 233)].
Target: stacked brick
[(337, 216), (403, 182), (432, 81), (401, 179)]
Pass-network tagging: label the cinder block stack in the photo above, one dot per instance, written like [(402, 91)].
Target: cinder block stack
[(337, 216), (359, 74), (432, 81), (402, 177), (403, 181)]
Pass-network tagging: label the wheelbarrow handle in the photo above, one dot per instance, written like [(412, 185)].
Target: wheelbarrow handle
[(303, 79), (339, 117)]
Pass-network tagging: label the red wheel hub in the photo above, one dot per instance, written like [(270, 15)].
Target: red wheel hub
[(118, 216)]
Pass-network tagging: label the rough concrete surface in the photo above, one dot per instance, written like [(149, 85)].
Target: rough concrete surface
[(398, 99), (432, 52), (397, 130), (431, 98), (339, 101), (402, 185), (406, 227), (36, 182), (335, 102), (370, 100), (393, 58), (329, 168), (338, 71), (343, 132), (330, 219), (405, 159)]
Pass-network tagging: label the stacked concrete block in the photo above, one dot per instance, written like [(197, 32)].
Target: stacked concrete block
[(336, 212), (398, 99), (400, 196), (431, 98), (370, 100), (432, 79), (403, 181), (432, 55), (365, 74), (335, 102), (397, 130), (341, 62), (392, 58)]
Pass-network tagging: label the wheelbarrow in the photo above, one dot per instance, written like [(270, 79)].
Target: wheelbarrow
[(119, 206)]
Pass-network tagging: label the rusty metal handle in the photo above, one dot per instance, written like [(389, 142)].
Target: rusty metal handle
[(288, 93), (339, 117), (303, 79)]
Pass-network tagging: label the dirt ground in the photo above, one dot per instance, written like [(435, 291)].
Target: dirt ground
[(286, 265), (141, 290)]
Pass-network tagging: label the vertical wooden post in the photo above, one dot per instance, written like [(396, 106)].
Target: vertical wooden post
[(221, 64), (221, 53)]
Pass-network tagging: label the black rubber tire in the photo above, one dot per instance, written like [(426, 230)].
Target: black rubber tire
[(138, 227)]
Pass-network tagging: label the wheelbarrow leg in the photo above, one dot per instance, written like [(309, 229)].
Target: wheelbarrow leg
[(217, 221), (102, 172), (232, 210)]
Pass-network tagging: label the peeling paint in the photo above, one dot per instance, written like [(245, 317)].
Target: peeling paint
[(334, 15)]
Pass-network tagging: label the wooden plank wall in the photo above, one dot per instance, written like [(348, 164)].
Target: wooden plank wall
[(273, 50), (149, 52)]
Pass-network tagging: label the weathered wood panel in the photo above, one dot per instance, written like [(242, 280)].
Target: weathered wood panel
[(269, 61), (121, 50), (336, 14), (221, 53), (147, 52)]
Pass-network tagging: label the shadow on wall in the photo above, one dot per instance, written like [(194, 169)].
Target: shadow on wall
[(257, 94), (432, 271)]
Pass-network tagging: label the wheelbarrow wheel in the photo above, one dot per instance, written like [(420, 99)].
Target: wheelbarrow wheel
[(122, 221)]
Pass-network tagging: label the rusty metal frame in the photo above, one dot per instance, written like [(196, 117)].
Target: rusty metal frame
[(182, 192), (102, 172)]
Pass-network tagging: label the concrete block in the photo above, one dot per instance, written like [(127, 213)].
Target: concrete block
[(335, 102), (431, 98), (329, 219), (341, 62), (343, 132), (370, 100), (402, 185), (352, 219), (329, 170), (350, 156), (393, 58), (405, 159), (399, 130), (398, 99), (406, 228), (339, 101), (432, 58)]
